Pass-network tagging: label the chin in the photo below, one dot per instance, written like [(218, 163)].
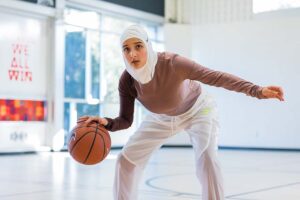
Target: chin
[(137, 66)]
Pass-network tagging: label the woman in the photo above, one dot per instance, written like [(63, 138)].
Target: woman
[(168, 85)]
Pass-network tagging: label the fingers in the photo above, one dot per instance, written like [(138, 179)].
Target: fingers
[(87, 119), (92, 119), (277, 89), (277, 92), (280, 97), (280, 90), (277, 95)]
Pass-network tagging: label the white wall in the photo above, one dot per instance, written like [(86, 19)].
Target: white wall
[(265, 50), (24, 50), (178, 38)]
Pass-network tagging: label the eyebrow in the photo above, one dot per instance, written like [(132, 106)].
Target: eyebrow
[(134, 43)]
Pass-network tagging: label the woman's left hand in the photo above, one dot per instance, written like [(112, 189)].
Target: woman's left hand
[(273, 92)]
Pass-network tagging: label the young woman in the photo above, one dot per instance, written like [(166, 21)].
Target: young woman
[(168, 85)]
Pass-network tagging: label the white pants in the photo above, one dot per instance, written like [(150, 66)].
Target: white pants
[(200, 122)]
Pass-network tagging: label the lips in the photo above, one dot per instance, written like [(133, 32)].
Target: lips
[(135, 61)]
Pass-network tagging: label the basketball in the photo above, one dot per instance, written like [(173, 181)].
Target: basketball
[(89, 144)]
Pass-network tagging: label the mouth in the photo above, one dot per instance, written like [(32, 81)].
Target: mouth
[(135, 62)]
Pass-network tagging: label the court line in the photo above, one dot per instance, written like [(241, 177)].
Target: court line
[(25, 193), (149, 181), (264, 189), (176, 193)]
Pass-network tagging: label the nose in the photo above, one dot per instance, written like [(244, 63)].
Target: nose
[(132, 54)]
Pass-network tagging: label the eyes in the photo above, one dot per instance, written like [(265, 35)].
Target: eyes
[(136, 47)]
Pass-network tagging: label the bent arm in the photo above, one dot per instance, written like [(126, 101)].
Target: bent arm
[(125, 118), (127, 98)]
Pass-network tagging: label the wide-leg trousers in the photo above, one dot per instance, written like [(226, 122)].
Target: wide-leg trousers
[(199, 122)]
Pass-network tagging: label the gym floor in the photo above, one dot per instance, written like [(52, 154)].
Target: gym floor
[(170, 175)]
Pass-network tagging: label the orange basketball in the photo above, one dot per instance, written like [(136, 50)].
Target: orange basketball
[(89, 144)]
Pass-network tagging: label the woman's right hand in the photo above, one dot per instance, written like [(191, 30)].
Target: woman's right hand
[(273, 92), (88, 119)]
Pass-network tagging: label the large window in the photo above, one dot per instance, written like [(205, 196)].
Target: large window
[(94, 63), (82, 65), (271, 5)]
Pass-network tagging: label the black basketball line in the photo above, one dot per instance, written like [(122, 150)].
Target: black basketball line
[(92, 145), (104, 131), (104, 144), (104, 152), (102, 135), (79, 140)]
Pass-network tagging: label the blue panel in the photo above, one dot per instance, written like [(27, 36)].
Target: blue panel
[(75, 60)]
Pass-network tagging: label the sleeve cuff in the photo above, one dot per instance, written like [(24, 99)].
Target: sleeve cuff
[(109, 124), (259, 93)]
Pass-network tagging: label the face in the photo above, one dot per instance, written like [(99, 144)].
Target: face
[(135, 52)]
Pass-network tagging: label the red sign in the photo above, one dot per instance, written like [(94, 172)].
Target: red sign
[(19, 69), (22, 110)]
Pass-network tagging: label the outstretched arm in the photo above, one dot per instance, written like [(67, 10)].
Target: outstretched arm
[(188, 69)]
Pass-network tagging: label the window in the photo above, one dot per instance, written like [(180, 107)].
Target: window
[(94, 64), (271, 5), (75, 64), (82, 66)]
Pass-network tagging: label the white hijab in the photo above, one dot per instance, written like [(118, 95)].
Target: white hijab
[(145, 73)]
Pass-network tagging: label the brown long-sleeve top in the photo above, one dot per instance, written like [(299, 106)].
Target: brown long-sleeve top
[(173, 89)]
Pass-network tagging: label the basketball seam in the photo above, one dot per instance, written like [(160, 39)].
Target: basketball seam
[(79, 140), (103, 141), (105, 132), (92, 145), (104, 144)]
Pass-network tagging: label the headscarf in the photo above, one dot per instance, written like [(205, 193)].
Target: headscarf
[(145, 73)]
